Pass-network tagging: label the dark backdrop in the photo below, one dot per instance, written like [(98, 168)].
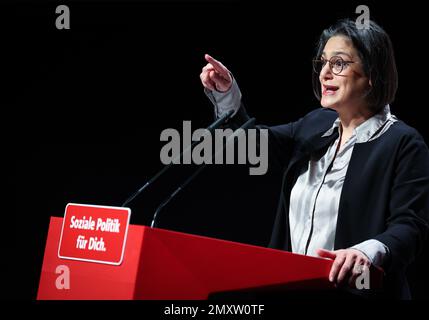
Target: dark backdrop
[(83, 108)]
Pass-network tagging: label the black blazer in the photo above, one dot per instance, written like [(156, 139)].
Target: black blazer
[(385, 195)]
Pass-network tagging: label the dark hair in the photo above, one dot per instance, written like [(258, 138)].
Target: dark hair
[(376, 52)]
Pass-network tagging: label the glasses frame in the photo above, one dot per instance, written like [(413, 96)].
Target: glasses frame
[(344, 64)]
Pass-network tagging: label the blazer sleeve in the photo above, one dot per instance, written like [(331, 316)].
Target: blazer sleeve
[(407, 223)]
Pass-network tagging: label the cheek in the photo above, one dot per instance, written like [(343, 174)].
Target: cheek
[(351, 88), (355, 90), (357, 85)]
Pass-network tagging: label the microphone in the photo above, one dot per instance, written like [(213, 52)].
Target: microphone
[(210, 128), (248, 124)]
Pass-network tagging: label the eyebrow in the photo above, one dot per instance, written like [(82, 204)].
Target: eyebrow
[(336, 53)]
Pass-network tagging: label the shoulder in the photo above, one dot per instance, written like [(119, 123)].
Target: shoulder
[(405, 133), (408, 143), (317, 121), (321, 114)]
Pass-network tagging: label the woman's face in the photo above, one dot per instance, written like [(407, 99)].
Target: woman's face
[(348, 88)]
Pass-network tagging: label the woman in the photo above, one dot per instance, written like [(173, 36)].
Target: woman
[(356, 179)]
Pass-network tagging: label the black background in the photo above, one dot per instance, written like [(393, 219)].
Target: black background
[(83, 108)]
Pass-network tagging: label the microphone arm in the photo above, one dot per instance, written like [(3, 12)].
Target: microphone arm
[(248, 124), (210, 128)]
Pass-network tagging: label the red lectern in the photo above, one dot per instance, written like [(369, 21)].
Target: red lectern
[(161, 264)]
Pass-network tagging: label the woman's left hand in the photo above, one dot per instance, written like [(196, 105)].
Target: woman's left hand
[(348, 265)]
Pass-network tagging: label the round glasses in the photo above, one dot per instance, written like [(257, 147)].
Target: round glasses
[(336, 64)]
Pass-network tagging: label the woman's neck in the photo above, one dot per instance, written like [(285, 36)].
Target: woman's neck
[(352, 118)]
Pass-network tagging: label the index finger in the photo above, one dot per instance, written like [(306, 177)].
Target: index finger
[(219, 67), (326, 253)]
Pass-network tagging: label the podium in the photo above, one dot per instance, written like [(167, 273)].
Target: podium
[(167, 265)]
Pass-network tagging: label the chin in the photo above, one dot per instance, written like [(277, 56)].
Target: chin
[(329, 104), (326, 104)]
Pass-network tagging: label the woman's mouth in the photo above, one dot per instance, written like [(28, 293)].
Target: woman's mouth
[(329, 90)]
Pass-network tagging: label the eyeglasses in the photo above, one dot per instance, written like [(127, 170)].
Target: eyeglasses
[(336, 64)]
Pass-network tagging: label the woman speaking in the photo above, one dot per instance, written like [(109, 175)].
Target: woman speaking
[(355, 178)]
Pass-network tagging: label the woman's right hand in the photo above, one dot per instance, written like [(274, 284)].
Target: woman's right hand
[(215, 76)]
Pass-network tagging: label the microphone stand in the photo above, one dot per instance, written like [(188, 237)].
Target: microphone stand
[(248, 124), (210, 128)]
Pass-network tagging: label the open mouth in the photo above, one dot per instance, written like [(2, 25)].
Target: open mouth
[(329, 90)]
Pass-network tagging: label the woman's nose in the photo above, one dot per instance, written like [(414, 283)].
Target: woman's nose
[(326, 72)]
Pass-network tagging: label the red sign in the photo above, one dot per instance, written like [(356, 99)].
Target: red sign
[(94, 233)]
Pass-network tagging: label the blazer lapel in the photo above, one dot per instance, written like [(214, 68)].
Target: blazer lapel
[(311, 146)]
